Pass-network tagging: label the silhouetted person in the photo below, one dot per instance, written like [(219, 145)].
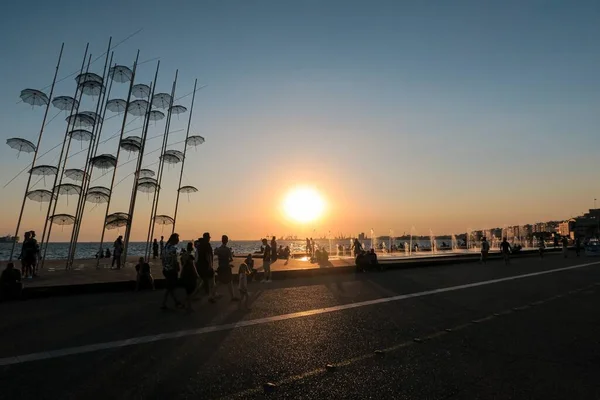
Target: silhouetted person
[(357, 247), (204, 265), (171, 270), (162, 246), (577, 246), (541, 247), (225, 257), (118, 251), (485, 249), (372, 259), (505, 249), (28, 255), (266, 262), (10, 283), (107, 254), (273, 250), (189, 275), (155, 249), (37, 254), (308, 252), (565, 247), (144, 277)]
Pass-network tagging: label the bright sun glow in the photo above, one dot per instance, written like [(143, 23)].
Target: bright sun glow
[(304, 204)]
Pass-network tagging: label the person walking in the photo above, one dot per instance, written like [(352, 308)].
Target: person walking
[(565, 246), (36, 254), (189, 275), (225, 257), (273, 250), (155, 249), (162, 246), (505, 249), (357, 248), (118, 250), (266, 262), (171, 270), (204, 266), (485, 249)]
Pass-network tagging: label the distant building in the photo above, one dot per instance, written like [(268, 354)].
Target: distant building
[(361, 236), (588, 225), (566, 227)]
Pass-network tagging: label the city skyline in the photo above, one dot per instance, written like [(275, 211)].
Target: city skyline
[(399, 116)]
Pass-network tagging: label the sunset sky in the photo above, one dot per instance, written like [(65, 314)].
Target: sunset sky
[(438, 115)]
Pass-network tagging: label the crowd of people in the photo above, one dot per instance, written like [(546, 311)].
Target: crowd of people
[(193, 268)]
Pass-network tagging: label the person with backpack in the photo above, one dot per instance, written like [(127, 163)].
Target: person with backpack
[(485, 249), (171, 270)]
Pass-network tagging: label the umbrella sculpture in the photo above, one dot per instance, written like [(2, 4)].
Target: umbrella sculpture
[(91, 88), (80, 120), (172, 156), (40, 195), (88, 77), (161, 100), (120, 73), (34, 97), (140, 91), (117, 215), (100, 189), (147, 185), (43, 170), (117, 220), (138, 107), (116, 105), (155, 115), (194, 141), (146, 173), (67, 189), (178, 109), (98, 194), (81, 135), (104, 161), (95, 116), (75, 174), (97, 197), (130, 145), (65, 103), (62, 219), (163, 220), (188, 190), (21, 145)]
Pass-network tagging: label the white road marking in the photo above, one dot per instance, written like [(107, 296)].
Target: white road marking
[(216, 328)]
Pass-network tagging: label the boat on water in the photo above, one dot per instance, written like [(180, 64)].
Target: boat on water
[(9, 239), (592, 248)]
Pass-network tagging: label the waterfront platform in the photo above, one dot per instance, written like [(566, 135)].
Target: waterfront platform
[(85, 277)]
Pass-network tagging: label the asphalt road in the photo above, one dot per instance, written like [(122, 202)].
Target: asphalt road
[(461, 332)]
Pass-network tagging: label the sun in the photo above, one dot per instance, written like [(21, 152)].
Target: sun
[(303, 204)]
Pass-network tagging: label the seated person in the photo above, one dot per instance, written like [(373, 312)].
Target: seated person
[(362, 262), (144, 277), (107, 255), (10, 283), (372, 259), (250, 264)]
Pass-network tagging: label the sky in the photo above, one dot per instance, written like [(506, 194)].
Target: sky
[(437, 115)]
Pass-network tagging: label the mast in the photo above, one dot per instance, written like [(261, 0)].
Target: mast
[(185, 146), (96, 133), (112, 182), (12, 251), (138, 167), (54, 201), (161, 164)]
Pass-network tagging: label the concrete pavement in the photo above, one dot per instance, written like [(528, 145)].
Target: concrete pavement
[(490, 331)]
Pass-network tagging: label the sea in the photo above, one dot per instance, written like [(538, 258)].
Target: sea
[(57, 251)]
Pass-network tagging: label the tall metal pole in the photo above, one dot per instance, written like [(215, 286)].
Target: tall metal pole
[(96, 131), (112, 181), (139, 167), (35, 153), (185, 146), (54, 199), (161, 164)]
